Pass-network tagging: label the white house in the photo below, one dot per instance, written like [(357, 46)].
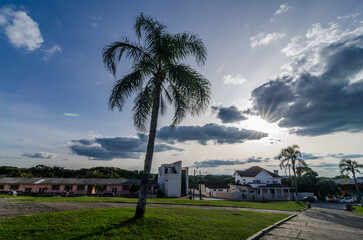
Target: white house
[(173, 179), (257, 183), (210, 189)]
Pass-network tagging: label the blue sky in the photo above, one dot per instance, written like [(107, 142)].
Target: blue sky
[(282, 73)]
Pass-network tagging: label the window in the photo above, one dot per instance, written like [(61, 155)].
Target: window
[(1, 187), (256, 181), (114, 190), (274, 182), (252, 191), (14, 187), (68, 187), (28, 190), (220, 190), (80, 187), (166, 170), (55, 187), (125, 187)]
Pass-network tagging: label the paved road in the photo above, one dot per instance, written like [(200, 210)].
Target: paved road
[(323, 221)]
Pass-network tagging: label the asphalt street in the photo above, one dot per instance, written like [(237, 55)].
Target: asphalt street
[(322, 221)]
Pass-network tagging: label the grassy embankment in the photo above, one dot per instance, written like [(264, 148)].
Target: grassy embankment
[(358, 209), (269, 205), (158, 223)]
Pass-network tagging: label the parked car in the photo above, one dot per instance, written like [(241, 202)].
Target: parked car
[(109, 194), (309, 199), (13, 193), (345, 200)]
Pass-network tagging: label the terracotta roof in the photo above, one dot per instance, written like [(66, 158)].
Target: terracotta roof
[(254, 171), (83, 181), (216, 185)]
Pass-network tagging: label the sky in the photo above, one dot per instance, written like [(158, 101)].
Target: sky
[(282, 73)]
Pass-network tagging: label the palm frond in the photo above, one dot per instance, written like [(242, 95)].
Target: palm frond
[(191, 85), (180, 105), (123, 89), (142, 108), (116, 50), (188, 44)]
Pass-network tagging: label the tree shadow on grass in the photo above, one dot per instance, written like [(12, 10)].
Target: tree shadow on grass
[(101, 231)]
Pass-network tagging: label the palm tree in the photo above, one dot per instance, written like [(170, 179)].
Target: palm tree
[(157, 76), (290, 158), (348, 166)]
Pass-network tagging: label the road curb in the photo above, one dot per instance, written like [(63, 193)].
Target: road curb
[(269, 228)]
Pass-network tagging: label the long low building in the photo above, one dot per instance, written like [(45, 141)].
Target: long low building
[(76, 186)]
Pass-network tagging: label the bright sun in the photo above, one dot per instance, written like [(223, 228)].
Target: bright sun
[(258, 124)]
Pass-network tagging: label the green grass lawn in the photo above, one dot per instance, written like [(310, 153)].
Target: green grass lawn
[(358, 209), (270, 205), (158, 223)]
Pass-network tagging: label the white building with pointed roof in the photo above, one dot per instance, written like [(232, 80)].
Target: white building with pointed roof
[(257, 183)]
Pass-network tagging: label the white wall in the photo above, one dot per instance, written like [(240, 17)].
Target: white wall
[(263, 177), (170, 183)]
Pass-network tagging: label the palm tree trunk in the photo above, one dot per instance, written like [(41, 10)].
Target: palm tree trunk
[(292, 182), (141, 203), (295, 181)]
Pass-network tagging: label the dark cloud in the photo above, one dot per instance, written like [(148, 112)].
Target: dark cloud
[(43, 155), (210, 132), (217, 163), (229, 114), (310, 156), (118, 147), (341, 155), (319, 97), (325, 165)]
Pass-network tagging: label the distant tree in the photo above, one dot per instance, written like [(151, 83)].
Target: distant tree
[(100, 187), (134, 188), (327, 186), (158, 74), (348, 166), (290, 158)]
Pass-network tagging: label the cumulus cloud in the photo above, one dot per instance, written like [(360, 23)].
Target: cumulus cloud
[(51, 51), (284, 8), (216, 162), (265, 39), (217, 134), (317, 96), (118, 147), (235, 80), (43, 155), (229, 114), (22, 30)]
